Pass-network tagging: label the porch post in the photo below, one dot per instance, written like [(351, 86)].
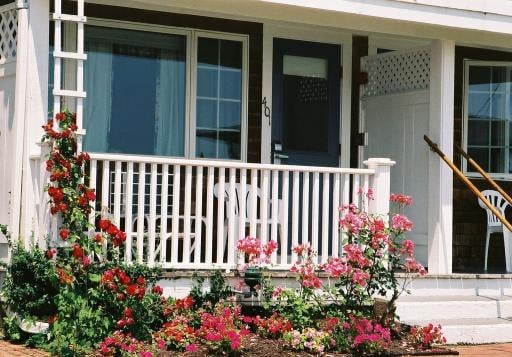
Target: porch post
[(381, 185), (440, 181), (35, 112)]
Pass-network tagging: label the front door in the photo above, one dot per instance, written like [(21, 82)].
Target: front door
[(306, 103)]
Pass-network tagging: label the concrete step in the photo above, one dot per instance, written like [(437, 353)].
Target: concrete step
[(471, 330), (417, 307)]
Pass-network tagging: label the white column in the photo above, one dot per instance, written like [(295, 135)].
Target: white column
[(35, 109), (440, 181), (381, 185)]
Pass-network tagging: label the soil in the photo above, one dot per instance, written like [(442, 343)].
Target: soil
[(259, 347)]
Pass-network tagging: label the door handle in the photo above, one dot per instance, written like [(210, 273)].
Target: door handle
[(280, 156)]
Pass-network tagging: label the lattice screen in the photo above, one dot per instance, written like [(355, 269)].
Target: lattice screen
[(8, 33), (395, 72)]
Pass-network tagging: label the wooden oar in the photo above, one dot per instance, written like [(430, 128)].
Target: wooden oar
[(484, 174), (468, 183)]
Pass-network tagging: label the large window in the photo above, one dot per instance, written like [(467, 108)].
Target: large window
[(488, 115), (171, 93)]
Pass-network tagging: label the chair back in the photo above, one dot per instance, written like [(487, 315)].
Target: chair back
[(249, 191), (498, 201)]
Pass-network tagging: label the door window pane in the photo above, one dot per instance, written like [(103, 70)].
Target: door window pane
[(135, 83), (219, 101), (305, 104)]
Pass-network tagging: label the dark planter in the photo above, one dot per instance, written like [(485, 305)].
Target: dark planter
[(252, 277)]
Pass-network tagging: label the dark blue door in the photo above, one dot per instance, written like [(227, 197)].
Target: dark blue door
[(306, 103)]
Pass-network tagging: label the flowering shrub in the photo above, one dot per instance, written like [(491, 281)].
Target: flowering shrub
[(271, 327), (255, 251), (223, 329), (366, 336), (120, 343), (309, 339), (426, 336), (176, 334)]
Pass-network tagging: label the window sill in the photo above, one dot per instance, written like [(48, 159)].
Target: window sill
[(497, 177)]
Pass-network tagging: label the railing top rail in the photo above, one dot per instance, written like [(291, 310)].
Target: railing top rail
[(226, 164)]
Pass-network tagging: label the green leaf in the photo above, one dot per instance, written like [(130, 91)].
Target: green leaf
[(95, 278)]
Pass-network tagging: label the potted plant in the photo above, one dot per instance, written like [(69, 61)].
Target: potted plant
[(256, 255)]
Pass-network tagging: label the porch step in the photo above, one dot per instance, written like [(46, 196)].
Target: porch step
[(464, 318), (472, 330), (454, 307)]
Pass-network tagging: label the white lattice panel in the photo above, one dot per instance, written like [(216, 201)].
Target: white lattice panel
[(8, 33), (396, 72)]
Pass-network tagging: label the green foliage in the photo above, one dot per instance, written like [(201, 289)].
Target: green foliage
[(219, 290), (30, 285)]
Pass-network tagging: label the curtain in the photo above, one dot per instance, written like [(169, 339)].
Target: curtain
[(170, 105), (98, 85)]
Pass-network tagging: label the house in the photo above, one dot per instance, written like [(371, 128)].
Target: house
[(208, 120)]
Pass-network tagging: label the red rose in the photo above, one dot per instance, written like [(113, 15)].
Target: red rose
[(64, 233), (157, 289), (98, 238), (104, 224), (132, 289), (112, 230), (91, 196), (128, 312), (141, 280), (120, 297), (60, 116), (78, 252), (121, 323), (50, 253)]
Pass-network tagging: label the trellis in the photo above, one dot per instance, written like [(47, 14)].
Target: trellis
[(8, 33)]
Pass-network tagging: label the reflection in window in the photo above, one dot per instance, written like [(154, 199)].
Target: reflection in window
[(489, 116), (219, 99), (135, 84)]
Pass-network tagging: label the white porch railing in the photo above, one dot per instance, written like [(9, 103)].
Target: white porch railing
[(189, 214)]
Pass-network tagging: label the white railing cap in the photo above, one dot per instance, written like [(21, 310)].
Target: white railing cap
[(379, 161)]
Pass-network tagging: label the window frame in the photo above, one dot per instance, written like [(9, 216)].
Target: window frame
[(192, 35), (465, 111)]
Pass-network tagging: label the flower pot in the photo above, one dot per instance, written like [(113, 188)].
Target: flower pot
[(252, 277)]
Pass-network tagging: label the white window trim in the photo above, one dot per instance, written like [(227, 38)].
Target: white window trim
[(192, 35), (467, 64)]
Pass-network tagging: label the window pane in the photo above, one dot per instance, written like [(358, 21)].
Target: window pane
[(479, 105), (207, 113), (135, 83), (497, 160), (481, 156), (498, 133), (219, 77), (498, 106), (479, 78), (499, 79), (229, 116), (207, 82), (478, 132)]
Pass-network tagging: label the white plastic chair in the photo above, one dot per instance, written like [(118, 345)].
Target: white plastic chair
[(494, 225), (250, 190)]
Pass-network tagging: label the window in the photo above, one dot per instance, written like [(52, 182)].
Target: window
[(174, 93), (488, 115)]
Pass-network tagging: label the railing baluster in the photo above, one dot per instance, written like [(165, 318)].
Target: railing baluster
[(117, 193), (176, 185), (164, 204), (295, 212), (152, 214), (129, 210), (187, 214), (356, 197), (305, 208), (141, 203), (264, 207), (325, 218), (209, 215), (232, 222), (199, 213), (284, 222), (93, 172), (276, 213), (315, 208), (242, 213), (220, 216), (253, 202), (335, 215), (105, 191)]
